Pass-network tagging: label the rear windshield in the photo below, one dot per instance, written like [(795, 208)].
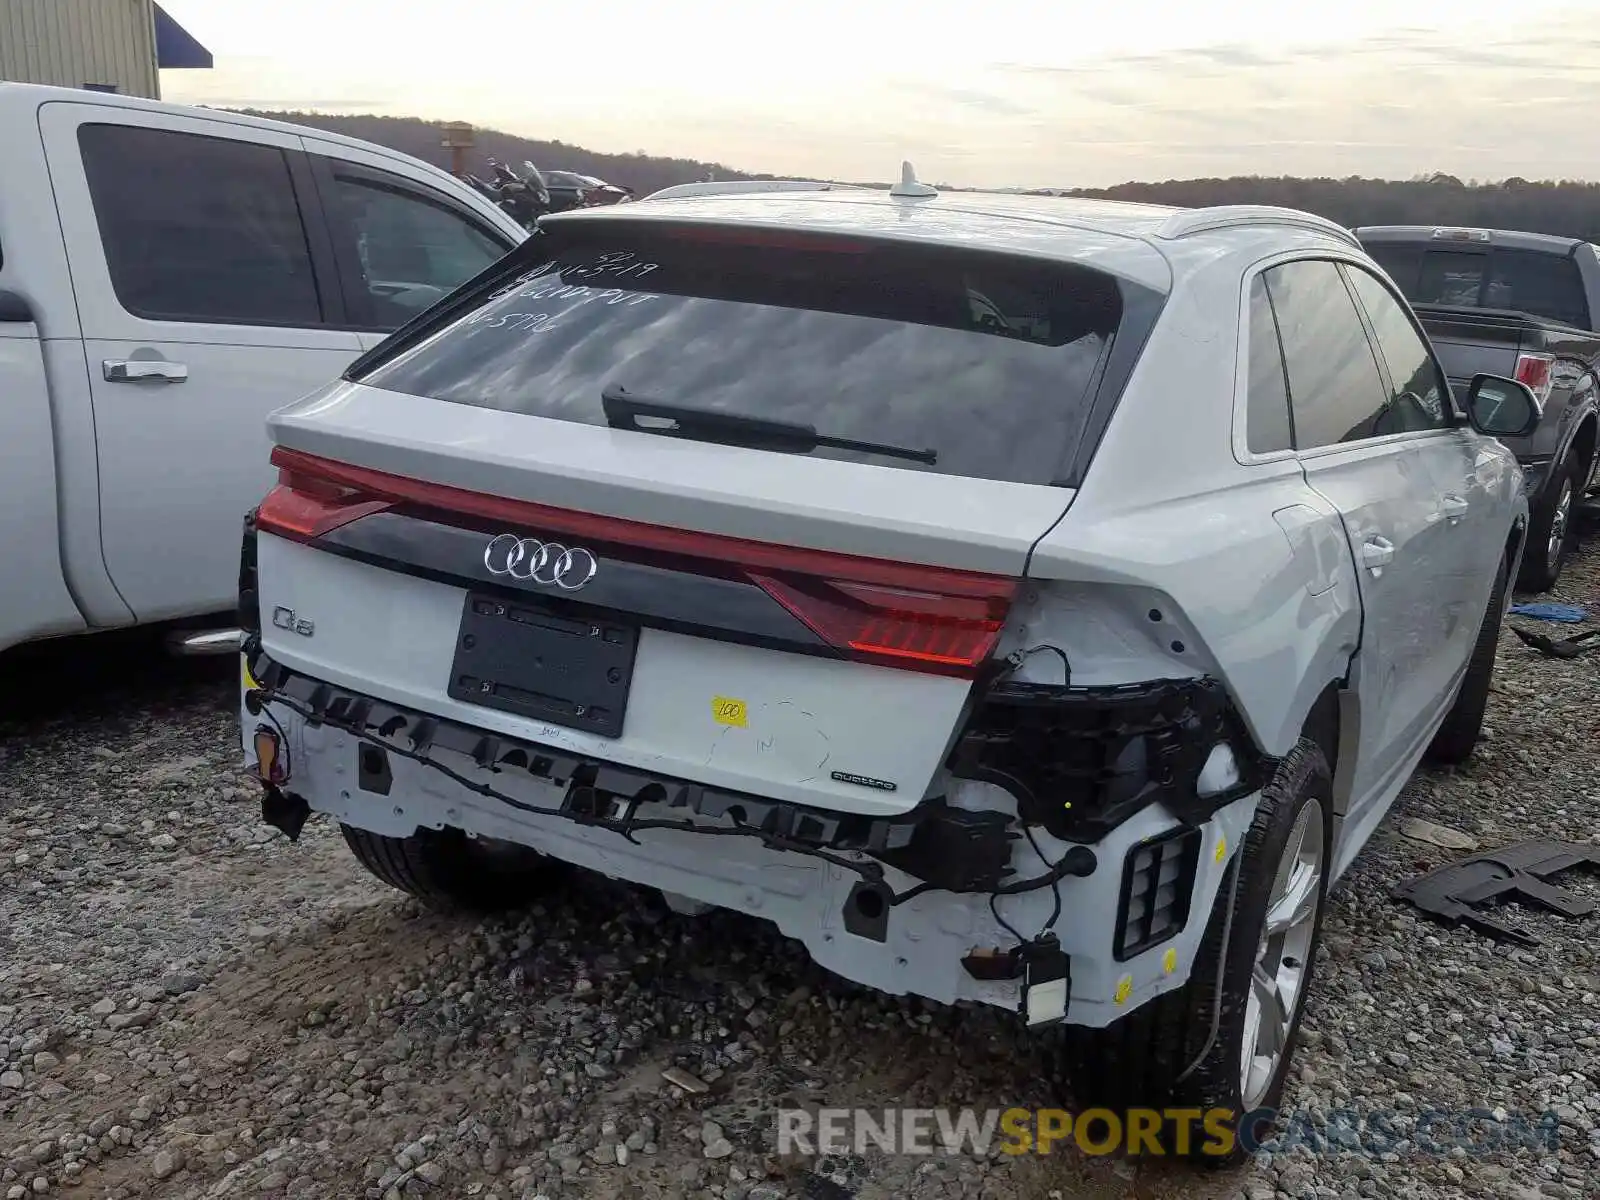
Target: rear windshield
[(1531, 281), (992, 362)]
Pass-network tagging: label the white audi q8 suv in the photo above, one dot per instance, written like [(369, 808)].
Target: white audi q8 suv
[(1022, 600)]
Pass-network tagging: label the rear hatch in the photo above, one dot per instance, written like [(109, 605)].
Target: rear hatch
[(741, 507)]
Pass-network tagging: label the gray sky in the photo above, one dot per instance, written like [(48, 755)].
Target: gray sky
[(995, 93)]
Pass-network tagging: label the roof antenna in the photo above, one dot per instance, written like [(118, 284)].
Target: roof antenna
[(909, 187)]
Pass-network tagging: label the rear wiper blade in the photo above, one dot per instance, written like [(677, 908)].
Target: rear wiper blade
[(623, 410)]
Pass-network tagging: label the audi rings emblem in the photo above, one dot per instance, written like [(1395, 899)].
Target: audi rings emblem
[(547, 563)]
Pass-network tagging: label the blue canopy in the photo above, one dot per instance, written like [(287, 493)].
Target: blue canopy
[(174, 45)]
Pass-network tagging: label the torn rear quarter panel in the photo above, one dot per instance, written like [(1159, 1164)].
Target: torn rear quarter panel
[(1081, 760)]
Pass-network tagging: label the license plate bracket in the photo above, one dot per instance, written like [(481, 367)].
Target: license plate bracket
[(521, 657)]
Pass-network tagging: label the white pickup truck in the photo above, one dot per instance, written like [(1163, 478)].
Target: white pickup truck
[(168, 277)]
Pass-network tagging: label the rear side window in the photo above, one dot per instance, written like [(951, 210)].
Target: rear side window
[(1267, 406), (1418, 392), (1335, 391), (991, 362), (199, 228)]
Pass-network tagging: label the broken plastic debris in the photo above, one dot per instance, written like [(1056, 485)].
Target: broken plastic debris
[(1455, 893), (689, 1083), (1419, 830)]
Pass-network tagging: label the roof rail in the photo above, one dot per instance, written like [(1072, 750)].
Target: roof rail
[(1190, 221), (735, 187)]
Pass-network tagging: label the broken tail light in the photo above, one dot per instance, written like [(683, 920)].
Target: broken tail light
[(304, 505)]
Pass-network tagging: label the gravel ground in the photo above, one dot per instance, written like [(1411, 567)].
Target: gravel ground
[(191, 1006)]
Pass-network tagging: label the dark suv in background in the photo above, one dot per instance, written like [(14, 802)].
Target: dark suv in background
[(1523, 305)]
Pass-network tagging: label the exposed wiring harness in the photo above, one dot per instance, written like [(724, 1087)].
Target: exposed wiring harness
[(629, 824), (1069, 863), (1016, 658)]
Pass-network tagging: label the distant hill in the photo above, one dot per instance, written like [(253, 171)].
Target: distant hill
[(1566, 208), (640, 171)]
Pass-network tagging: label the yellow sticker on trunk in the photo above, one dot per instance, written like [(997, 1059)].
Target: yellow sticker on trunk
[(725, 710)]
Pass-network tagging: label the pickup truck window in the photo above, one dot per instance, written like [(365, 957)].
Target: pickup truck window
[(410, 250), (1267, 396), (1531, 281), (1418, 388), (200, 229), (1335, 391)]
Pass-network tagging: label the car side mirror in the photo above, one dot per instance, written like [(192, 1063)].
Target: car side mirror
[(1502, 407)]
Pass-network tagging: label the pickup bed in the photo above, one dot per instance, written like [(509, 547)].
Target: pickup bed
[(169, 276), (1522, 305)]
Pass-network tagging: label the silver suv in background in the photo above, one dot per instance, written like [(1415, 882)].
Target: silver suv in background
[(1019, 600)]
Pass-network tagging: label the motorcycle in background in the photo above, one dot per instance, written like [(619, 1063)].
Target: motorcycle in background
[(524, 198)]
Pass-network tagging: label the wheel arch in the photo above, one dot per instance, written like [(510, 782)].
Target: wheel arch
[(1333, 722), (1516, 543), (1584, 441)]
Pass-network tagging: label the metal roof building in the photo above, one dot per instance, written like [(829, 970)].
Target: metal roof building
[(104, 45)]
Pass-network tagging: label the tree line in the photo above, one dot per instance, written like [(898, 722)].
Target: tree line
[(1568, 208)]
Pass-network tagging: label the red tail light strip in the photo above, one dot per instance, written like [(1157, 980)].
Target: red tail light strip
[(899, 614)]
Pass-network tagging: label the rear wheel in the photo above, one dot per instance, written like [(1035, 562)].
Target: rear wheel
[(1453, 744), (1550, 530), (1225, 1039), (451, 872)]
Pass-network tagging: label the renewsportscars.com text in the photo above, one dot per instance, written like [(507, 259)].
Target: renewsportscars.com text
[(1149, 1131)]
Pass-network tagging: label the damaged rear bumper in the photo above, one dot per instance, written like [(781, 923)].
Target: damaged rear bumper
[(901, 904)]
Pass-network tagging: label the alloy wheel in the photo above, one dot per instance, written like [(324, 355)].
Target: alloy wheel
[(1558, 524), (1283, 957)]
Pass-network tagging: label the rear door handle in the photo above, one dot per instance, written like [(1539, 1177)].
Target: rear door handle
[(1376, 553), (134, 370), (1453, 508)]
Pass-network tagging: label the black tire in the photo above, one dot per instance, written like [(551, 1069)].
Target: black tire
[(1550, 527), (450, 872), (1452, 745), (1143, 1061)]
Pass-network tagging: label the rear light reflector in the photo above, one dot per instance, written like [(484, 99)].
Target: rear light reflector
[(304, 505), (1535, 371), (271, 763)]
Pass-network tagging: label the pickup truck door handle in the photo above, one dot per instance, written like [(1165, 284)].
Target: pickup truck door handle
[(1453, 508), (1376, 553), (134, 370)]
